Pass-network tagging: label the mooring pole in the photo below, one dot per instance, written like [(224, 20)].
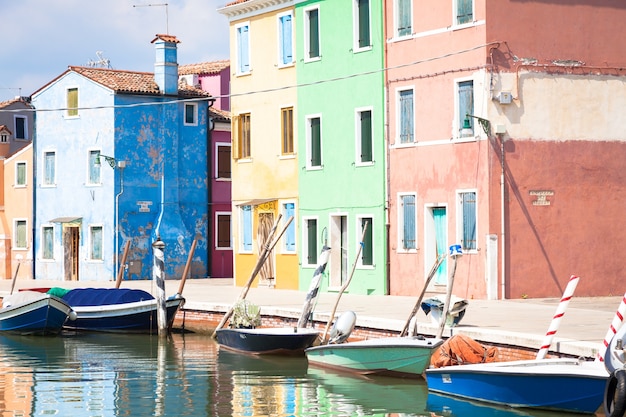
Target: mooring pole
[(158, 275)]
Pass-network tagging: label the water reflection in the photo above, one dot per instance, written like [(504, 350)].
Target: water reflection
[(188, 375)]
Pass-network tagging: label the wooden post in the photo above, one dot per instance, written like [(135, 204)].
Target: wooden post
[(158, 274), (446, 305), (120, 272), (345, 285), (187, 266), (432, 273), (17, 268), (314, 287), (262, 258)]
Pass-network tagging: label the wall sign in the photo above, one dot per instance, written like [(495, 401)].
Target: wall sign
[(542, 197)]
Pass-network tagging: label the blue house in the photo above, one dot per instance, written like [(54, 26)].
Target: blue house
[(120, 157)]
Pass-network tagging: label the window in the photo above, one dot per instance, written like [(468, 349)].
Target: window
[(404, 17), (285, 39), (289, 238), (20, 174), (20, 127), (222, 237), (466, 103), (310, 239), (314, 142), (467, 219), (242, 137), (93, 175), (406, 116), (191, 114), (222, 165), (464, 11), (286, 130), (95, 243), (243, 48), (407, 224), (312, 34), (4, 138), (47, 242), (364, 136), (49, 168), (246, 229), (72, 102), (362, 24), (20, 240), (367, 250)]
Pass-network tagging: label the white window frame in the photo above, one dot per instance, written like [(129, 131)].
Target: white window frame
[(89, 180), (25, 127), (219, 145), (14, 245), (309, 144), (53, 180), (398, 139), (66, 113), (293, 224), (457, 124), (230, 232), (356, 26), (396, 20), (359, 233), (455, 24), (305, 241), (358, 135), (401, 247), (307, 34), (43, 241), (195, 114), (91, 242), (19, 164), (281, 37), (459, 218), (238, 68), (242, 249)]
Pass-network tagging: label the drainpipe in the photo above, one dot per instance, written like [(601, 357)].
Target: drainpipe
[(502, 222), (121, 165), (209, 172)]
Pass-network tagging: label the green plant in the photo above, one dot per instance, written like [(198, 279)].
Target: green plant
[(245, 315)]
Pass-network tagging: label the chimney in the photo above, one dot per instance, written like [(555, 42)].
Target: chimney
[(166, 65)]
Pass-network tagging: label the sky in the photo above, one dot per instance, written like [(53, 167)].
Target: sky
[(43, 37)]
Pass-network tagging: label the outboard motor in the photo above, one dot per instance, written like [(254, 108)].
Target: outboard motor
[(342, 328), (615, 390)]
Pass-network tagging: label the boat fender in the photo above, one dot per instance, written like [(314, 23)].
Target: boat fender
[(615, 394), (343, 327)]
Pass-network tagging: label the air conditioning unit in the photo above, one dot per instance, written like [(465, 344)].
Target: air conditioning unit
[(191, 79)]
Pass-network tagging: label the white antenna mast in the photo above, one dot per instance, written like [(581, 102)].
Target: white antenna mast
[(101, 62), (167, 24)]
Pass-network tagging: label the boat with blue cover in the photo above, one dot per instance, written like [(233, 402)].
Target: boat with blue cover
[(117, 310)]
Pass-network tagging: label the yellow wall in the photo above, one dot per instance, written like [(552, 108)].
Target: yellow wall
[(267, 174)]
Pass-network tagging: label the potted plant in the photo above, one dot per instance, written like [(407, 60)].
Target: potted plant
[(245, 315)]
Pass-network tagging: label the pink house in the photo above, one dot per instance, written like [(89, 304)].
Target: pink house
[(506, 138)]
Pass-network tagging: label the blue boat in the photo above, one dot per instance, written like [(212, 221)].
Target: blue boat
[(564, 385), (117, 310), (33, 313)]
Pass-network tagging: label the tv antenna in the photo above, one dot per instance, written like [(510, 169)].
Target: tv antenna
[(167, 26), (101, 62)]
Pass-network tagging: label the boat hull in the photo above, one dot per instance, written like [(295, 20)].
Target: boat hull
[(393, 356), (553, 384), (135, 317), (43, 316), (265, 341)]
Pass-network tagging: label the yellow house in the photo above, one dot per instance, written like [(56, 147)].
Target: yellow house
[(16, 218), (265, 164)]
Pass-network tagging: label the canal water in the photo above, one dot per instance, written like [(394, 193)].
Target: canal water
[(188, 375)]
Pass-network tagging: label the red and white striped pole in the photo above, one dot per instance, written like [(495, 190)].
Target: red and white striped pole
[(617, 322), (556, 320)]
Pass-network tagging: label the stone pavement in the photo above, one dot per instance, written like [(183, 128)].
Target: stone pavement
[(518, 322)]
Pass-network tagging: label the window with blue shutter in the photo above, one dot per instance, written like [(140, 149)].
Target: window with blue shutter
[(407, 116), (404, 11), (286, 36), (243, 49), (246, 228), (408, 222), (289, 238), (468, 202), (466, 103)]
